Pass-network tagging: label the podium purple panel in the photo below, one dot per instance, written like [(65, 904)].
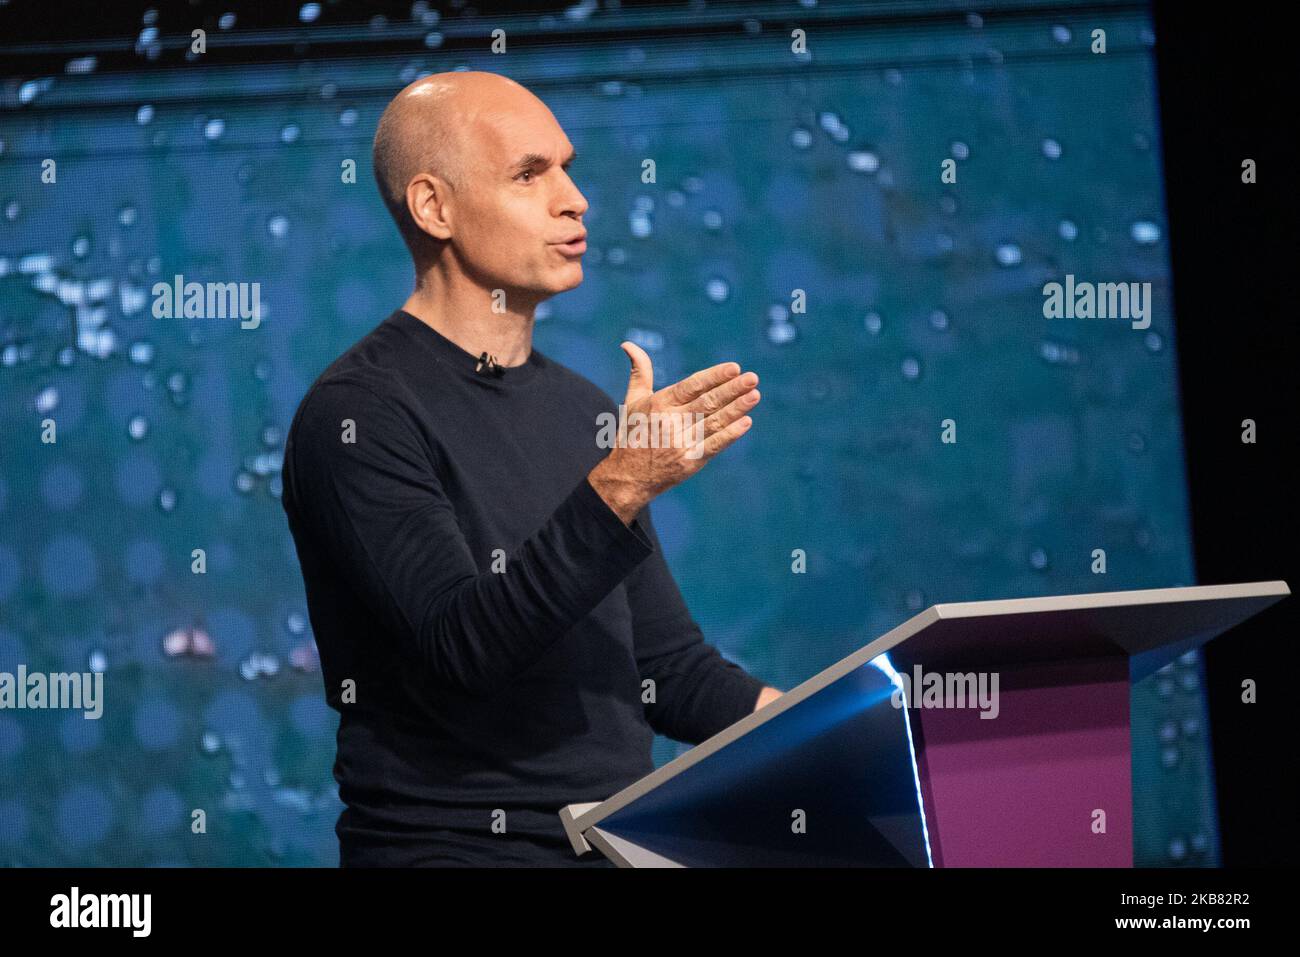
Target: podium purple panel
[(1037, 785), (1023, 790)]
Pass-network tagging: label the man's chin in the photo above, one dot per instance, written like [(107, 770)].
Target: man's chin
[(570, 279)]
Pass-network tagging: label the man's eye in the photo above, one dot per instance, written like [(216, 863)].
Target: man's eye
[(526, 172)]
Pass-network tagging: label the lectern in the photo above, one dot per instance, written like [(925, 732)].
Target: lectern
[(855, 767)]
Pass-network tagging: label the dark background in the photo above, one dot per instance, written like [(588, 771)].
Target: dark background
[(1226, 92)]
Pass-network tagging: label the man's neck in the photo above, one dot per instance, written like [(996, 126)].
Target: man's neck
[(468, 320)]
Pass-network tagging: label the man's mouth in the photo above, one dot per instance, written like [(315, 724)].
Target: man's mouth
[(574, 246)]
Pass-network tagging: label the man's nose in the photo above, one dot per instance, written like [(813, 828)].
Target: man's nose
[(575, 204), (573, 201)]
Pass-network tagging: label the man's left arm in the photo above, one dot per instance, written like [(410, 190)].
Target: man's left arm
[(696, 692)]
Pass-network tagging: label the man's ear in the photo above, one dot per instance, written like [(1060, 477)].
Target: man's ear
[(426, 201)]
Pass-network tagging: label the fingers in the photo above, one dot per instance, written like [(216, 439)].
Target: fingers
[(731, 412), (641, 380), (723, 395), (693, 386), (718, 441)]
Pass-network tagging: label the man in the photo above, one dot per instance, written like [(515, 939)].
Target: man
[(497, 627)]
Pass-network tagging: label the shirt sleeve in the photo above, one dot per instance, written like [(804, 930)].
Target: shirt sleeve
[(698, 692), (377, 508)]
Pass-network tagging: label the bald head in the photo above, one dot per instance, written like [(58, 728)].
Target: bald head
[(431, 127)]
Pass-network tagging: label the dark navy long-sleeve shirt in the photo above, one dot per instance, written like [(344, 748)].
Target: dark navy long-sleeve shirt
[(496, 641)]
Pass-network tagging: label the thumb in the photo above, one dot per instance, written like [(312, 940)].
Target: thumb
[(641, 380)]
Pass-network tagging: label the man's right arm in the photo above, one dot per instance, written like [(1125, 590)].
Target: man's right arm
[(377, 508)]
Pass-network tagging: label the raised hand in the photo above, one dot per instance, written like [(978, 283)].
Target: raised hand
[(686, 425)]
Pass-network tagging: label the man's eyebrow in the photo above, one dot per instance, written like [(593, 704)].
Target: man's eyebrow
[(533, 160)]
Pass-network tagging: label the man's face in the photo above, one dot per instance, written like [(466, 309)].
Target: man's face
[(517, 218)]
